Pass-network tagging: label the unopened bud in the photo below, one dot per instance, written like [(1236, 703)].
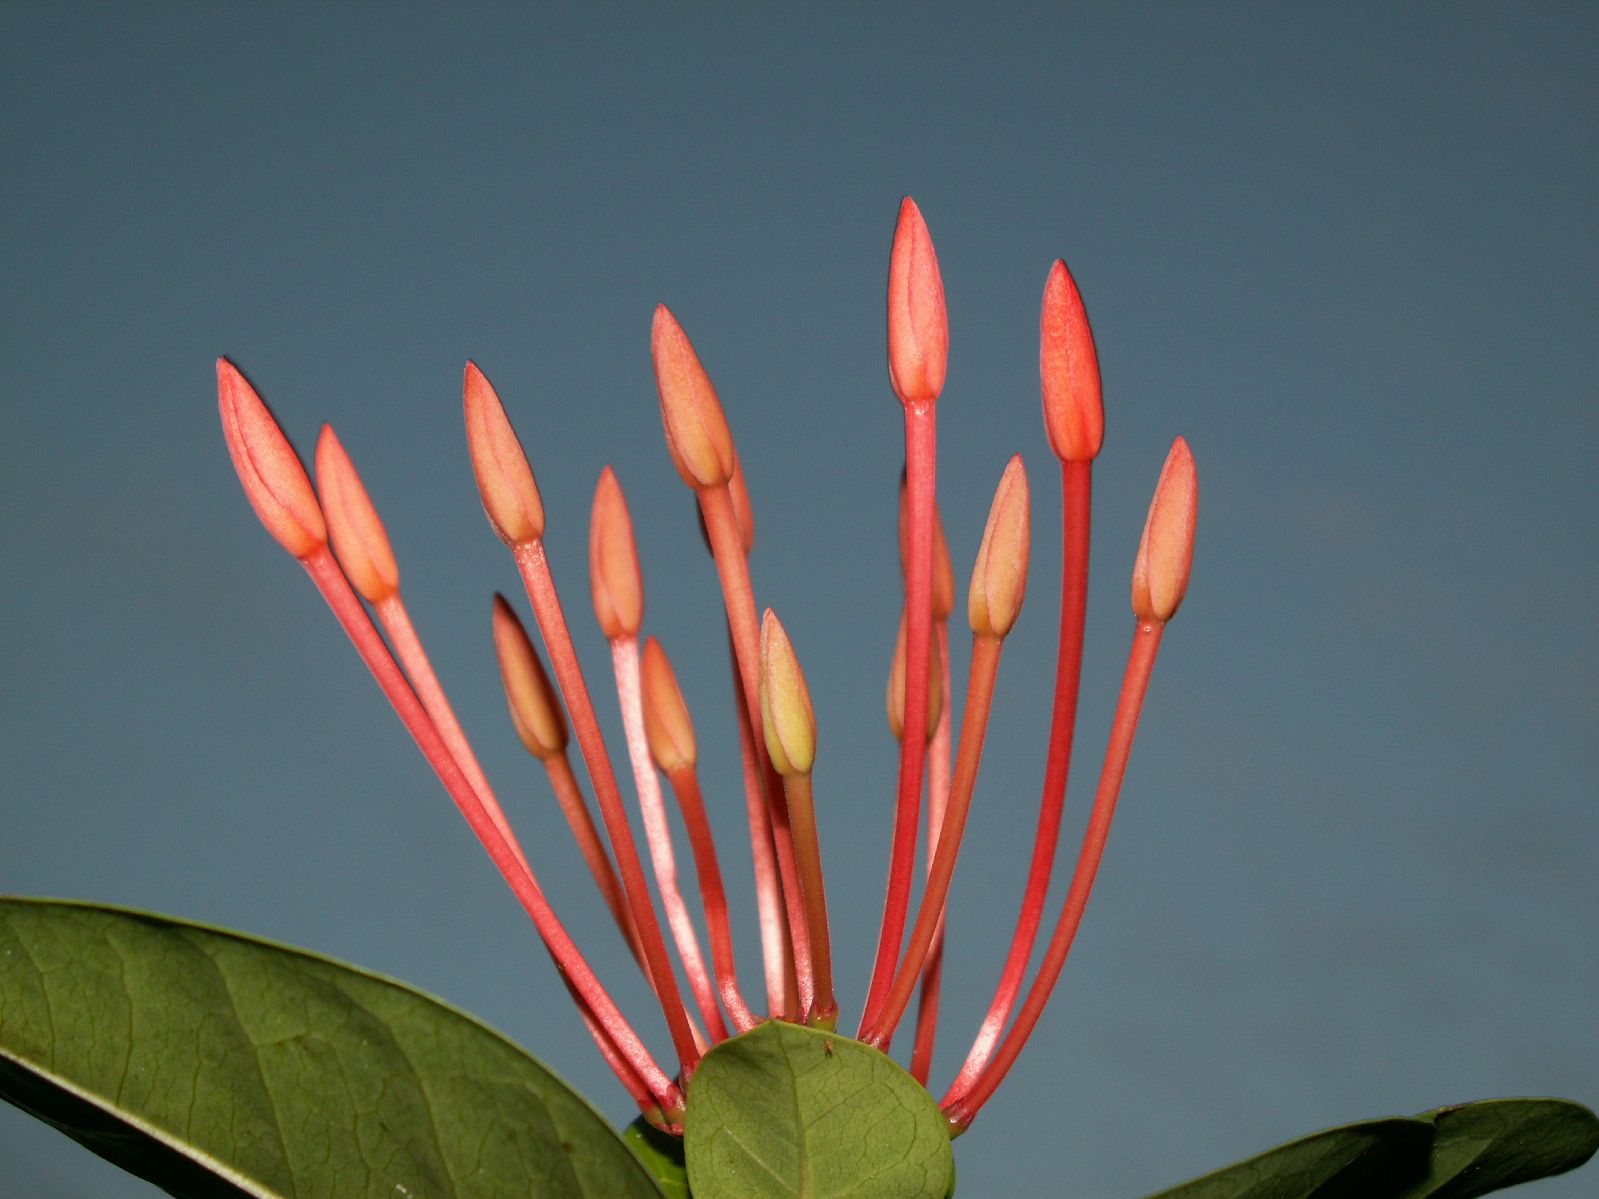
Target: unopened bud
[(1166, 550), (535, 712), (504, 478), (786, 715), (359, 540), (918, 327), (274, 479), (666, 720), (1068, 369), (697, 435), (614, 577), (999, 579)]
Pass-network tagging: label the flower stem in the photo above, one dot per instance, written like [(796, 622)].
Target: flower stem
[(569, 795), (961, 1108), (657, 835), (968, 754), (823, 1010), (937, 803), (1076, 495), (920, 484), (534, 567)]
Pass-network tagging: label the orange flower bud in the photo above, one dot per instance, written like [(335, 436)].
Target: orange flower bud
[(918, 327), (274, 480), (535, 712), (359, 539), (786, 715), (666, 720), (896, 685), (943, 570), (614, 577), (697, 435), (1068, 369), (999, 579), (1166, 550), (504, 478)]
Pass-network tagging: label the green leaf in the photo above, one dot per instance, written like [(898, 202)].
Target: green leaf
[(1353, 1161), (662, 1155), (1497, 1143), (785, 1112), (217, 1065)]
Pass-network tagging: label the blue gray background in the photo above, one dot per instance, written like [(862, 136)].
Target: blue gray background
[(1349, 251)]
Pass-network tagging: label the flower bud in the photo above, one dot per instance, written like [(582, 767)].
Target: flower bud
[(896, 685), (535, 712), (1068, 369), (999, 578), (504, 478), (1166, 549), (614, 577), (274, 480), (697, 435), (918, 327), (359, 540), (786, 716), (666, 720)]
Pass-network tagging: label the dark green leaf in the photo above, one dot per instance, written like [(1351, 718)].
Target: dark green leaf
[(1354, 1161), (1497, 1143), (662, 1155), (216, 1065), (785, 1112)]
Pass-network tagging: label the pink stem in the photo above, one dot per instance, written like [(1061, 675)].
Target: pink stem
[(937, 802)]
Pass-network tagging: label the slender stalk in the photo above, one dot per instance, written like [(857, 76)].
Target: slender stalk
[(546, 603), (1076, 497), (721, 523), (802, 812), (920, 484), (777, 952), (960, 1108), (352, 617), (686, 787), (937, 803), (968, 755), (658, 836)]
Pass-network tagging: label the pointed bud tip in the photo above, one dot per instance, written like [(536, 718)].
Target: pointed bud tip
[(918, 325), (272, 474), (1068, 370), (697, 435), (504, 477), (786, 715), (535, 713), (360, 541), (999, 577), (615, 581), (1166, 549), (667, 726)]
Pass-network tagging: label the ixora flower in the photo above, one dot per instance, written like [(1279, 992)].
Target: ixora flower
[(337, 535)]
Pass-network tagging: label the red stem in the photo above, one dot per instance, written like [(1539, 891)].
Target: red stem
[(920, 492), (968, 756), (535, 570), (937, 804), (960, 1109), (352, 617), (1076, 496)]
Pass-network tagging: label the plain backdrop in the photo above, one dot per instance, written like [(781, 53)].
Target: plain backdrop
[(1348, 250)]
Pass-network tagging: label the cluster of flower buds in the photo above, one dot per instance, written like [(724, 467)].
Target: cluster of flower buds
[(335, 532)]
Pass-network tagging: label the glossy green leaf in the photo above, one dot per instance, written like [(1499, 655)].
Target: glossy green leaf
[(662, 1155), (217, 1065), (1497, 1143), (785, 1112), (1354, 1161)]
